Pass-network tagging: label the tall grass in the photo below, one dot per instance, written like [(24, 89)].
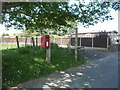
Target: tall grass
[(26, 64)]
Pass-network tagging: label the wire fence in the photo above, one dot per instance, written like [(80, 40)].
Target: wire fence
[(64, 42), (12, 42)]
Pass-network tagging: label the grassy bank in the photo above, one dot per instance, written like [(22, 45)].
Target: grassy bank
[(18, 67)]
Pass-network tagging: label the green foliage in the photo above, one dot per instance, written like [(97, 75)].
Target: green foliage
[(116, 5), (26, 32), (55, 36), (20, 34), (4, 46), (5, 34), (35, 34), (24, 51), (26, 65), (54, 15)]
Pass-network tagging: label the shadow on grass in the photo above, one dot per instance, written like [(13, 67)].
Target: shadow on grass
[(27, 63)]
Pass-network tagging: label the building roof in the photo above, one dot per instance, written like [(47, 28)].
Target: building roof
[(95, 32)]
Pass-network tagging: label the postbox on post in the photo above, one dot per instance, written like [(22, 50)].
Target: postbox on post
[(45, 41)]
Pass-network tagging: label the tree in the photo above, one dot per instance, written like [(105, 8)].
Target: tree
[(5, 34), (102, 34), (116, 5), (36, 16), (53, 15), (35, 34)]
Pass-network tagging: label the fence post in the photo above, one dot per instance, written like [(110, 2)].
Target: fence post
[(25, 41), (76, 43), (107, 43), (92, 42), (70, 42), (33, 43), (17, 42), (80, 42)]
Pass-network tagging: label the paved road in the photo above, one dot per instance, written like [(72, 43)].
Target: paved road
[(119, 69), (100, 73)]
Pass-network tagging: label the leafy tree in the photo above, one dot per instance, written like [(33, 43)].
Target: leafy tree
[(38, 16), (103, 34), (116, 5), (35, 34), (5, 34), (114, 31), (26, 32)]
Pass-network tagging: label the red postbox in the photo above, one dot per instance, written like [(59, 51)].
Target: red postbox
[(45, 41)]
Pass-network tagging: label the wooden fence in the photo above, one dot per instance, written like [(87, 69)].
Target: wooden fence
[(86, 42), (59, 41), (92, 42)]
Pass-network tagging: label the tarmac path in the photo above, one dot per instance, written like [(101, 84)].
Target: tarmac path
[(98, 73)]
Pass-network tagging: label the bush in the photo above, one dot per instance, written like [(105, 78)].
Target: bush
[(5, 34)]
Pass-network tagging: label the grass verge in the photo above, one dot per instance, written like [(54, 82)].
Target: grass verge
[(28, 64)]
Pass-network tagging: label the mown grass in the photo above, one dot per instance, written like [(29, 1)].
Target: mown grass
[(4, 46), (26, 64)]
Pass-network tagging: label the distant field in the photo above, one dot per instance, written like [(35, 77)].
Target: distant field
[(4, 46)]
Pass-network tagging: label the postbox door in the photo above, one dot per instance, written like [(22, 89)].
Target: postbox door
[(45, 40)]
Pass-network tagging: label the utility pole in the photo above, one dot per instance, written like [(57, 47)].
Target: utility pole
[(76, 43)]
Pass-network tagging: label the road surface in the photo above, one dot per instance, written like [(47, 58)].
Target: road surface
[(99, 73)]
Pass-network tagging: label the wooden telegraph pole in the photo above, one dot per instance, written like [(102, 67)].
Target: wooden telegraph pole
[(76, 43)]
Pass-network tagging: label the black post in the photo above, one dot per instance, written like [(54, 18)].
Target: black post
[(17, 42), (25, 41), (33, 43)]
